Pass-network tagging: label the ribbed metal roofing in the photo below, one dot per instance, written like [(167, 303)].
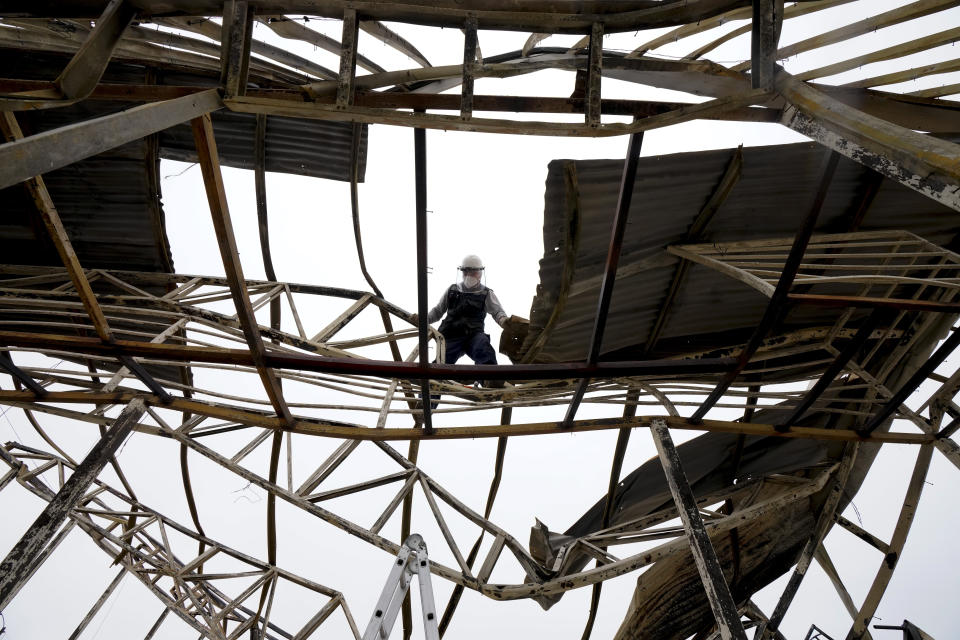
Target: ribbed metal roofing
[(774, 193), (110, 203)]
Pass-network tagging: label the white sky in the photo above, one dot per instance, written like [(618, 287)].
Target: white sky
[(485, 196)]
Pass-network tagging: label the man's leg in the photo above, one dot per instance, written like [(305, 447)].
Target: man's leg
[(480, 349), (453, 352)]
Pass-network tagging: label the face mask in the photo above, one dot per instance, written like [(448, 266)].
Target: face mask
[(470, 281)]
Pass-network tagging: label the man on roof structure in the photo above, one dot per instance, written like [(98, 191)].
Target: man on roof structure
[(466, 305)]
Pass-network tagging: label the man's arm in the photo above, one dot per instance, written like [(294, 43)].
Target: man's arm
[(495, 309), (437, 312)]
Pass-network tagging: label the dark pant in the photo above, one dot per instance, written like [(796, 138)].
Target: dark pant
[(476, 345)]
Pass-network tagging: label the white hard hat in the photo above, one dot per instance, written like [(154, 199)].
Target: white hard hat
[(471, 262)]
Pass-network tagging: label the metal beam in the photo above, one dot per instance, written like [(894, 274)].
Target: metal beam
[(923, 163), (469, 67), (718, 592), (15, 568), (594, 75), (627, 181), (235, 39), (420, 177), (86, 67), (779, 297), (217, 200), (731, 176), (850, 350), (767, 20), (43, 152), (348, 59), (893, 404)]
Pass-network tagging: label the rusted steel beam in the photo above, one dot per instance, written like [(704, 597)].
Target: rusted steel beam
[(866, 302), (420, 187), (708, 566), (767, 20), (923, 163), (627, 181), (779, 297), (346, 88), (14, 568), (43, 152), (849, 351), (236, 36), (469, 67), (893, 404), (217, 200)]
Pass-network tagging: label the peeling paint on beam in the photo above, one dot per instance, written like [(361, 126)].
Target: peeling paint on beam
[(926, 164)]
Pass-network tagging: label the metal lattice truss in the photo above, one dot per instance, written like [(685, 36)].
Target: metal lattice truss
[(156, 338)]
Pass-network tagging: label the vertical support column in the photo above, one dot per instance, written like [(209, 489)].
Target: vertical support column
[(718, 592), (420, 168), (348, 60), (15, 568), (469, 67), (237, 32), (767, 19), (627, 180), (594, 75)]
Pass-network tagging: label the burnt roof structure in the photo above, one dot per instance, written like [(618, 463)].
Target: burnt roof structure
[(811, 288)]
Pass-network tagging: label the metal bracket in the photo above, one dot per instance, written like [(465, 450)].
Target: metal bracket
[(411, 561)]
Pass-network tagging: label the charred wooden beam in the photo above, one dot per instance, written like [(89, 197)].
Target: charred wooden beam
[(346, 87), (923, 163), (779, 297), (237, 34), (627, 181), (217, 200), (14, 569), (43, 152), (708, 566), (469, 67)]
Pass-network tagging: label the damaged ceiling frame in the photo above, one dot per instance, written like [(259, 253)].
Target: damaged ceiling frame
[(291, 87)]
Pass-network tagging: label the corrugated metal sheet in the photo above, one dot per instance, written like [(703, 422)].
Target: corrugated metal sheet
[(771, 198), (110, 203)]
